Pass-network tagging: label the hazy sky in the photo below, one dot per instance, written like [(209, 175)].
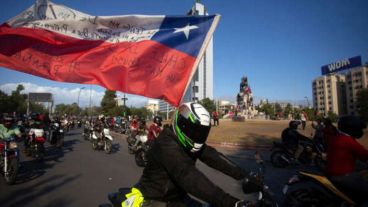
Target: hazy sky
[(279, 45)]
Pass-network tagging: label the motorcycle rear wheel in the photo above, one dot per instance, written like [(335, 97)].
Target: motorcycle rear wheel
[(306, 198), (39, 153), (108, 146), (278, 159), (11, 175), (140, 158), (94, 145), (60, 142)]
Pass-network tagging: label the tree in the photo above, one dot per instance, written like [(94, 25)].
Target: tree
[(68, 109), (332, 116), (15, 102), (208, 104), (141, 112), (362, 103), (268, 109), (288, 109), (5, 103), (278, 109), (108, 103)]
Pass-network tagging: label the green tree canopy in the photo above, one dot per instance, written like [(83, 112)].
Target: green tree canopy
[(108, 103), (68, 109), (288, 109), (208, 104)]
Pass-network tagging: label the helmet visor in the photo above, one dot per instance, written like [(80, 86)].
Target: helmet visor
[(196, 132)]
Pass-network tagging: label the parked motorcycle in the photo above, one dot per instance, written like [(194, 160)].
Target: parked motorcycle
[(310, 189), (263, 198), (282, 156), (57, 135), (35, 143), (104, 141), (9, 160)]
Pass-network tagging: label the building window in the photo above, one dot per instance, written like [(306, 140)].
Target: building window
[(195, 89), (195, 78)]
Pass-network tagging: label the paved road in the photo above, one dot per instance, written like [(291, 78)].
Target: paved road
[(80, 176)]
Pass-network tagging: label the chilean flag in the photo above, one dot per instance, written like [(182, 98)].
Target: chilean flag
[(152, 56)]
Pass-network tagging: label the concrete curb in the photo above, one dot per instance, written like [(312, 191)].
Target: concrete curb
[(227, 145), (238, 146)]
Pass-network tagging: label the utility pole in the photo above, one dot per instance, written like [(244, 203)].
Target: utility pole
[(124, 100), (307, 101), (80, 89), (90, 98)]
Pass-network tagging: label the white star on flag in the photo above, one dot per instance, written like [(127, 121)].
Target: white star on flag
[(186, 30)]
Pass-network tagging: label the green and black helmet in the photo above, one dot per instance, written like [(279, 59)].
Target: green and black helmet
[(191, 124)]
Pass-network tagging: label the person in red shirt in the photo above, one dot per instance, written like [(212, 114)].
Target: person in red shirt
[(154, 129), (215, 118), (342, 153)]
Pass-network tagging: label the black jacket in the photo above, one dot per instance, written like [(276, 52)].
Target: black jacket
[(290, 138), (171, 173)]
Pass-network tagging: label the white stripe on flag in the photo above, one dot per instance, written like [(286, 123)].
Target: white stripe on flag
[(63, 20)]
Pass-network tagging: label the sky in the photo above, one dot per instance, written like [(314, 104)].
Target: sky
[(280, 45)]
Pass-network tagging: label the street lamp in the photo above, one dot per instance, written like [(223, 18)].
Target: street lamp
[(307, 101), (80, 89)]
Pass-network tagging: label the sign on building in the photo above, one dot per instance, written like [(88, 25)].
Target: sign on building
[(40, 97), (342, 65)]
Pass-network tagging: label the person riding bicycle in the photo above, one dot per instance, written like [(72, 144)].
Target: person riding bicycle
[(291, 138), (155, 129), (171, 173), (342, 153)]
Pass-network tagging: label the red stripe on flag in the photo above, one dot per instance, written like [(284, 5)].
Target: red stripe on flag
[(144, 68)]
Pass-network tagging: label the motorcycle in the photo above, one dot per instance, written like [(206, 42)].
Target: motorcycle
[(79, 123), (310, 189), (88, 132), (9, 160), (104, 142), (263, 197), (35, 145), (141, 153), (282, 156), (135, 143), (57, 135)]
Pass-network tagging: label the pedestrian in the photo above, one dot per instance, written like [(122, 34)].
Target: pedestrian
[(303, 119), (215, 118)]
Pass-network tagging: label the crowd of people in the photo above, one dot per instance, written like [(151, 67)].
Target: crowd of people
[(342, 149), (169, 179)]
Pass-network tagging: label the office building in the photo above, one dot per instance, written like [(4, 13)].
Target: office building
[(152, 105), (356, 80), (337, 91), (329, 94)]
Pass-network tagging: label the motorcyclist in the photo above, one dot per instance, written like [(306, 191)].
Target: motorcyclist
[(6, 128), (291, 138), (99, 125), (171, 174), (155, 129), (134, 126), (342, 153)]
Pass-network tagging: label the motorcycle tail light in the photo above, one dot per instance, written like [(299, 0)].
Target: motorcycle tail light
[(13, 145), (40, 139)]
